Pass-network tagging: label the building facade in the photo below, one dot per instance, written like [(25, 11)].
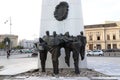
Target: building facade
[(13, 39), (103, 36)]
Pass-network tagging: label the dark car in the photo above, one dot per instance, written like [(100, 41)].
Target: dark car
[(34, 54)]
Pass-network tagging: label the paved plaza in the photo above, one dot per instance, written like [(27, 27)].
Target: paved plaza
[(24, 62), (106, 65), (17, 64)]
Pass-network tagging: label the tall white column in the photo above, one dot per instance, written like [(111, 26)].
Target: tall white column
[(73, 23)]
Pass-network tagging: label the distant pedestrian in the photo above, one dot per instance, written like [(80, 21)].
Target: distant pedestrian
[(8, 54)]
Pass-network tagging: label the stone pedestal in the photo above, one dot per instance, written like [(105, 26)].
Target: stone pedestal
[(73, 23)]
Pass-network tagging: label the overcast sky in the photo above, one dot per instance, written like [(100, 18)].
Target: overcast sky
[(25, 15)]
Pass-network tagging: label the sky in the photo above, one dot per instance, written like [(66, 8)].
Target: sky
[(25, 15)]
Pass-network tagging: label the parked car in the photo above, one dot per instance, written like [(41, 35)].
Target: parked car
[(34, 53), (89, 52), (26, 51), (98, 52), (94, 52)]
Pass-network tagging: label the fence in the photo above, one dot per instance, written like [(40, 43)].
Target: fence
[(112, 54)]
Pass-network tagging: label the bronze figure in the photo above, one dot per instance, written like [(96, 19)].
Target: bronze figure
[(55, 42)]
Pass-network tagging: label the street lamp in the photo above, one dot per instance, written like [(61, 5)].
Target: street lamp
[(10, 23)]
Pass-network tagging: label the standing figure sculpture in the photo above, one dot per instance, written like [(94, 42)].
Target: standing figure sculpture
[(54, 49), (55, 42), (42, 47), (71, 45), (67, 47), (75, 50), (82, 40), (43, 53)]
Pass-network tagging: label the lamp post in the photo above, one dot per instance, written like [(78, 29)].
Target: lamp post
[(10, 23)]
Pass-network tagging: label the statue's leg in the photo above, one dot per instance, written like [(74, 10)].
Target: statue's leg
[(43, 60), (67, 56), (45, 57), (84, 51), (81, 53), (55, 56), (45, 54), (55, 67), (76, 61)]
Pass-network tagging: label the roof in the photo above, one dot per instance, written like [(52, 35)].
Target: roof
[(101, 25), (8, 35)]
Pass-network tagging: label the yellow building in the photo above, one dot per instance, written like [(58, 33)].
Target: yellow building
[(13, 39), (103, 36)]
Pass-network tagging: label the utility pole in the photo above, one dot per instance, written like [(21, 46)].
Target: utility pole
[(10, 25), (10, 31)]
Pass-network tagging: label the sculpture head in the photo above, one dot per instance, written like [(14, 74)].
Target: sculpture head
[(61, 34), (81, 33), (47, 33), (41, 40), (54, 34), (67, 34)]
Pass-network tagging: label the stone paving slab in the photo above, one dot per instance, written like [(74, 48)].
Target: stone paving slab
[(17, 66), (104, 78), (105, 65), (49, 78), (62, 78), (110, 66)]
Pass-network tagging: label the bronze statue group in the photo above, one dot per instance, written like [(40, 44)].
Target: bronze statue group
[(54, 43)]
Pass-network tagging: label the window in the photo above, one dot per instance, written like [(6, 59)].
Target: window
[(98, 46), (114, 46), (98, 37), (108, 46), (114, 37), (108, 37), (90, 38), (90, 46)]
